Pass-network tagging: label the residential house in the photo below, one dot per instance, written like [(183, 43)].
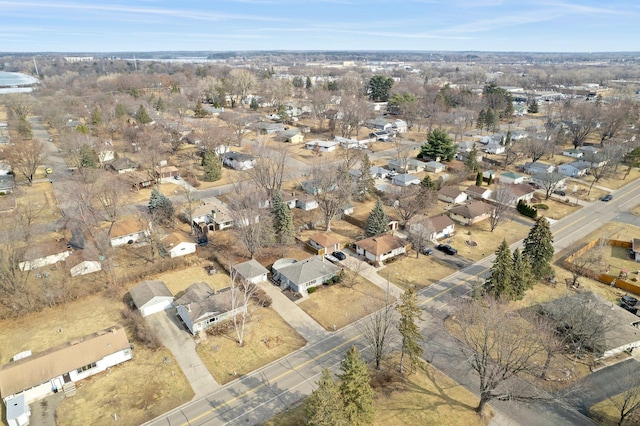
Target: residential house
[(537, 168), (452, 194), (106, 152), (238, 160), (515, 193), (511, 178), (212, 215), (478, 192), (31, 377), (405, 180), (621, 336), (589, 149), (435, 228), (5, 168), (123, 165), (293, 135), (547, 180), (165, 171), (151, 297), (574, 153), (635, 248), (465, 146), (349, 143), (325, 242), (268, 128), (471, 213), (128, 230), (381, 247), (378, 124), (321, 146), (306, 202), (83, 262), (140, 180), (489, 174), (302, 275), (177, 244), (381, 135), (595, 160), (494, 148), (569, 170), (310, 187), (379, 172), (43, 254), (582, 165), (333, 114), (435, 167), (200, 307), (399, 126), (7, 184), (251, 271)]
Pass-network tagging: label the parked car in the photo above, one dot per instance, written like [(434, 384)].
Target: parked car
[(427, 251), (339, 255), (177, 177), (607, 197), (447, 249), (631, 309), (629, 300), (560, 193)]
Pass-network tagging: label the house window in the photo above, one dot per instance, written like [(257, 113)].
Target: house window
[(86, 367)]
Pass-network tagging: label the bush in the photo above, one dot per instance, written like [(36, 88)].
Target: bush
[(142, 332), (527, 210), (262, 298), (219, 329), (311, 290), (541, 206)]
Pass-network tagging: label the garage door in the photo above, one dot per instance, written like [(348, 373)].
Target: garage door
[(155, 307)]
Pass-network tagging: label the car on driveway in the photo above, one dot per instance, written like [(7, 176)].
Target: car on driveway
[(629, 300), (427, 251), (339, 255), (607, 197), (446, 248)]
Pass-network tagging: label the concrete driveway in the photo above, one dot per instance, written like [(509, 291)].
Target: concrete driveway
[(175, 338)]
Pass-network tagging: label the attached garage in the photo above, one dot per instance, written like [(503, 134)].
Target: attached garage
[(151, 297)]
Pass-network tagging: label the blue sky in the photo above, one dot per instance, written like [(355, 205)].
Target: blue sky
[(222, 25)]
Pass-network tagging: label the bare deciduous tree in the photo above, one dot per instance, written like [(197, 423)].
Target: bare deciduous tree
[(333, 189), (379, 331), (269, 170), (503, 197), (628, 401), (354, 112), (241, 293), (408, 201), (536, 148), (320, 100), (583, 122), (252, 225), (25, 157)]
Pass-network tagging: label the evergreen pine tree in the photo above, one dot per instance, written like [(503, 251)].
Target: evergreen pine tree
[(366, 183), (199, 111), (120, 111), (481, 121), (471, 162), (212, 167), (377, 222), (283, 220), (428, 183), (160, 207), (308, 85), (499, 282), (254, 104), (160, 105), (143, 115), (522, 277), (88, 157), (538, 246), (490, 181), (96, 117), (533, 107), (479, 179), (438, 144), (491, 120), (410, 312), (356, 390), (325, 407)]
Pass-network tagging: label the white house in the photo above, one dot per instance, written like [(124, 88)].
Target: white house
[(511, 178), (537, 167), (381, 247), (434, 167), (451, 194), (83, 262), (306, 202), (478, 192), (400, 126), (568, 169), (437, 227), (177, 244), (251, 271), (200, 307), (378, 124), (468, 214), (151, 297), (494, 148), (35, 376), (380, 172), (405, 180), (43, 254), (128, 230), (300, 276), (238, 160), (322, 146), (574, 153)]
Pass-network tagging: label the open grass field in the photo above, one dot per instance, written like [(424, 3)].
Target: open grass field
[(557, 209), (179, 280), (41, 199), (408, 271), (424, 398), (340, 305), (137, 390), (605, 413), (267, 338)]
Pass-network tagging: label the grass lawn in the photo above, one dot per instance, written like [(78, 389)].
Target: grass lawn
[(327, 304), (605, 413), (267, 338), (580, 189), (179, 280), (425, 398), (421, 272), (616, 181), (41, 198), (557, 209), (137, 390)]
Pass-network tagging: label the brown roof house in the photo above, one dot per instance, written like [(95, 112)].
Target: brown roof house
[(151, 297), (381, 247), (30, 377), (165, 171), (325, 242), (432, 228), (478, 192), (128, 230), (474, 212), (200, 307), (177, 244), (452, 194), (43, 254)]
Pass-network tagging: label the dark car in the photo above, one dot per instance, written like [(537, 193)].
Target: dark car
[(607, 197), (629, 300), (631, 309), (447, 249), (339, 255), (560, 193), (427, 251)]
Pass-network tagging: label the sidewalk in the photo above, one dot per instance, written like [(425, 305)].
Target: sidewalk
[(355, 263), (294, 315)]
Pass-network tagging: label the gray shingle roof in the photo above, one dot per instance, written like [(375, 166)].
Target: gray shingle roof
[(147, 290)]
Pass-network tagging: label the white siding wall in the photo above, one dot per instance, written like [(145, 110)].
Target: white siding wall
[(182, 249), (120, 241), (43, 261), (102, 365), (183, 312), (156, 305)]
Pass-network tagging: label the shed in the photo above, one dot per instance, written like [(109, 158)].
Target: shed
[(151, 297), (434, 167)]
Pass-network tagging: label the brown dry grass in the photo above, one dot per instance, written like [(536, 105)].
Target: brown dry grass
[(605, 413), (616, 181), (179, 280), (267, 338), (327, 304), (427, 397), (39, 196), (557, 209), (580, 189), (420, 273), (137, 390)]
